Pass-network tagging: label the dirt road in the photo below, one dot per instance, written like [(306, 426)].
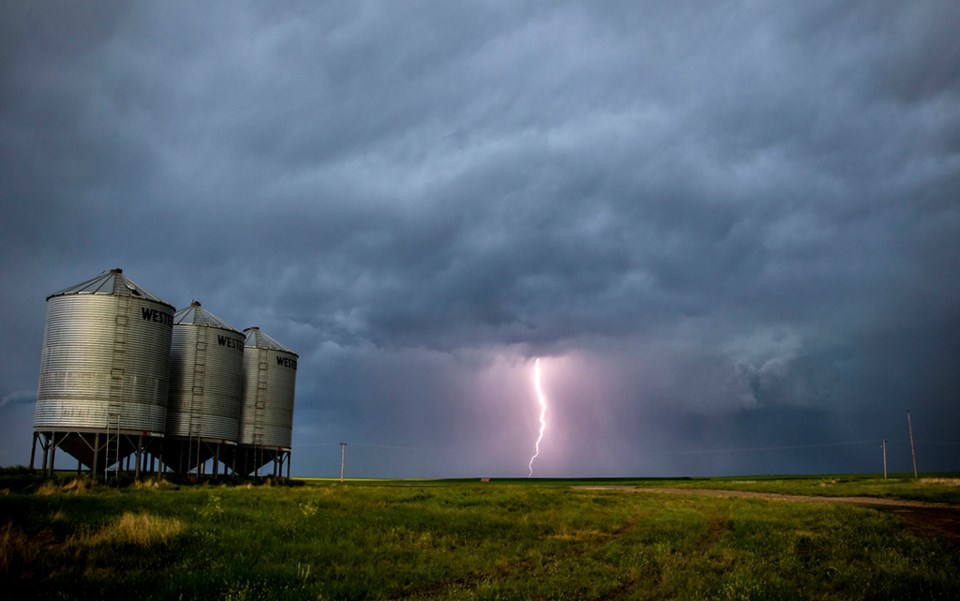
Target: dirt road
[(919, 517)]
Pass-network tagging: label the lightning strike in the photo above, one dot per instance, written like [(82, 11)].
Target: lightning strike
[(542, 399)]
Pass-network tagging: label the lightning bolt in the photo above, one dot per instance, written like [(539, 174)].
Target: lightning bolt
[(542, 399)]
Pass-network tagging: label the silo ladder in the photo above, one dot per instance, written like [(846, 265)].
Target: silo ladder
[(195, 427), (260, 408), (114, 416), (115, 406)]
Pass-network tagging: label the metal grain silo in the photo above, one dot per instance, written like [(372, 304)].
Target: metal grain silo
[(104, 370), (266, 413), (206, 368)]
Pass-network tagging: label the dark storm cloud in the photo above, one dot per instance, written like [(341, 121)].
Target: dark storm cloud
[(745, 214)]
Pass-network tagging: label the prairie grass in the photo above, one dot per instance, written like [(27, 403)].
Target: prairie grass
[(461, 540)]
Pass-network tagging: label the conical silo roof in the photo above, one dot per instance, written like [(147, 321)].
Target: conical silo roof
[(111, 282), (256, 338), (196, 314)]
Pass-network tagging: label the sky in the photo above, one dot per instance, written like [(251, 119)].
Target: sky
[(730, 230)]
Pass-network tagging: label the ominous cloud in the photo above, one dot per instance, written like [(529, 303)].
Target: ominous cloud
[(724, 228)]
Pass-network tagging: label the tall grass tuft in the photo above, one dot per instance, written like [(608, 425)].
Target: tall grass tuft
[(78, 485), (75, 486), (141, 529), (15, 548), (152, 484), (48, 488)]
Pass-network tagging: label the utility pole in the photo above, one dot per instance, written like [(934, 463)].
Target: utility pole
[(913, 450), (884, 458), (343, 454)]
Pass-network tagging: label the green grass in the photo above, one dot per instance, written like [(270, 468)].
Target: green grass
[(453, 540)]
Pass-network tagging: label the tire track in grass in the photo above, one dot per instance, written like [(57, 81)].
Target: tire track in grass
[(718, 524)]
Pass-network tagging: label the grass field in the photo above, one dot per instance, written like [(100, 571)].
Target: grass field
[(533, 539)]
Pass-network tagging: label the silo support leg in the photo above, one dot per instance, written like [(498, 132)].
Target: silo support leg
[(96, 453), (53, 452), (216, 461), (46, 449), (136, 471), (33, 450)]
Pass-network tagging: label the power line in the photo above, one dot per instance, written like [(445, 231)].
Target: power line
[(774, 448), (665, 452), (375, 446)]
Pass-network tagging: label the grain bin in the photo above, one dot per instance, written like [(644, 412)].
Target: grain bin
[(104, 370), (206, 367), (266, 413)]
